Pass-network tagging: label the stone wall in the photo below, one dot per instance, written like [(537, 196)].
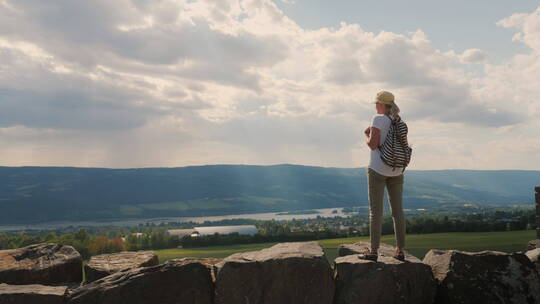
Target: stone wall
[(290, 272)]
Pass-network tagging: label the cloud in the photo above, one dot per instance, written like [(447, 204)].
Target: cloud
[(528, 25), (473, 56), (33, 94), (134, 34), (186, 82)]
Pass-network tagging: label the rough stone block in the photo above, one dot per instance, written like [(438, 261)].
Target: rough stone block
[(388, 280), (32, 294), (176, 281), (290, 272), (483, 277), (44, 263), (103, 265)]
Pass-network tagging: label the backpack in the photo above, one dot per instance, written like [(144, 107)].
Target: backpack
[(395, 151)]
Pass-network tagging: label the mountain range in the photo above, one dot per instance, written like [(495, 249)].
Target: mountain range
[(40, 194)]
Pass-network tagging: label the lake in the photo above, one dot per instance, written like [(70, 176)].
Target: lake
[(324, 212)]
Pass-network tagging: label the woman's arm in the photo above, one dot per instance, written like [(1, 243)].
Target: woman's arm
[(372, 140)]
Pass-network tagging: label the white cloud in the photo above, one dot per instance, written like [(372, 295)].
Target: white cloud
[(473, 56), (528, 25), (169, 83)]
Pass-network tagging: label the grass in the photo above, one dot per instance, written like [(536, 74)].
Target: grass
[(208, 252), (416, 244)]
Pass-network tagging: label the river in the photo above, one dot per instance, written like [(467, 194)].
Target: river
[(325, 212)]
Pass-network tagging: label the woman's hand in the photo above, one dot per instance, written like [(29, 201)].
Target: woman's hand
[(366, 131)]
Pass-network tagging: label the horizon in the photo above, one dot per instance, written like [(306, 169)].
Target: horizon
[(255, 165)]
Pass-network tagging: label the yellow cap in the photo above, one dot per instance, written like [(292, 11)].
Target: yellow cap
[(384, 97)]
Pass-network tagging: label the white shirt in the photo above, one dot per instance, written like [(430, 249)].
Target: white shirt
[(381, 122)]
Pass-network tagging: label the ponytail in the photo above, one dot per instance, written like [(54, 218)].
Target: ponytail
[(393, 111)]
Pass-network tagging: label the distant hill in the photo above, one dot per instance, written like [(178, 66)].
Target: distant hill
[(36, 194)]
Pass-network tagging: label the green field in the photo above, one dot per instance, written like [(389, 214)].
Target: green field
[(416, 244)]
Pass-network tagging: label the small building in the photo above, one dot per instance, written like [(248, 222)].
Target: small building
[(241, 229), (209, 230), (183, 232)]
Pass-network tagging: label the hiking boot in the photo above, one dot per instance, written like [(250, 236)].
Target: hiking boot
[(400, 256), (366, 254)]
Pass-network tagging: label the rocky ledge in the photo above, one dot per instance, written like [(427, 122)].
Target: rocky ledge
[(292, 272)]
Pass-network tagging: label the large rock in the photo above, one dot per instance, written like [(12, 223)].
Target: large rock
[(384, 250), (483, 277), (290, 272), (534, 256), (103, 265), (32, 294), (176, 281), (388, 280), (45, 263), (533, 244)]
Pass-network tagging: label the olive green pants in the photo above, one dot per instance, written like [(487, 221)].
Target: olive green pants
[(394, 186)]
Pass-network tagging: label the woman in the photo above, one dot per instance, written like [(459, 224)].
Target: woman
[(380, 175)]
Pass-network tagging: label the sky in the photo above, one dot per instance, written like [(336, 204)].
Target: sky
[(162, 83)]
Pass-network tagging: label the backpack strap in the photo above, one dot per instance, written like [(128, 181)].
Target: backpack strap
[(392, 122), (402, 144)]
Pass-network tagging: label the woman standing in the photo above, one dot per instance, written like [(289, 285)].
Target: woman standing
[(380, 175)]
